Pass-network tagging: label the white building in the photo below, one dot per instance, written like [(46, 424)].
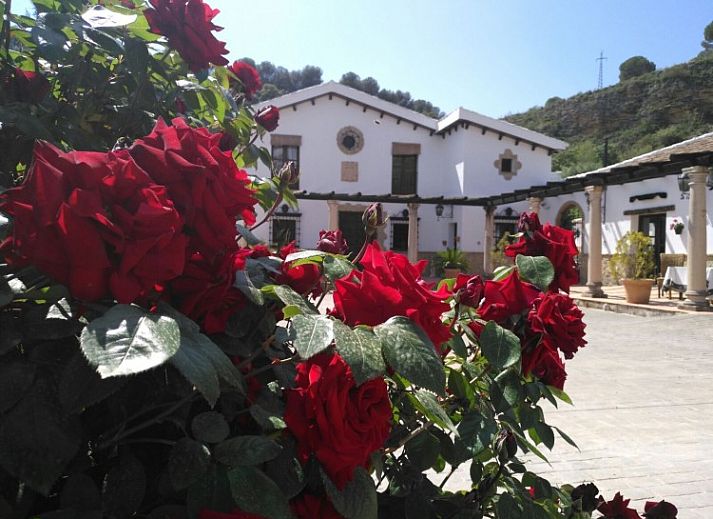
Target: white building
[(347, 142), (464, 179)]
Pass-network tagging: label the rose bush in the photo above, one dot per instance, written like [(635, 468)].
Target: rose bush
[(158, 360)]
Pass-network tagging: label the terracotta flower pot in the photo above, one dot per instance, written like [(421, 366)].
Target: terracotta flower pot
[(638, 290)]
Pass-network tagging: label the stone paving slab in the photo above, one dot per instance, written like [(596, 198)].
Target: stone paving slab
[(643, 412)]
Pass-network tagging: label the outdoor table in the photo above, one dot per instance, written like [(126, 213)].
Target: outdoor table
[(676, 278)]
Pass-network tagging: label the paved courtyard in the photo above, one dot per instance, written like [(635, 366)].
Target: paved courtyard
[(643, 411)]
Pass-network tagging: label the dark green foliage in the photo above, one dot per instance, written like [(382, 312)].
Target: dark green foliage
[(635, 66)]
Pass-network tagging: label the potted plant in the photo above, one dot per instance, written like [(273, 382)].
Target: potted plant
[(450, 262), (633, 264), (677, 226)]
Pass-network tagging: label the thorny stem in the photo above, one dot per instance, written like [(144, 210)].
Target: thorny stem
[(268, 214), (262, 349), (445, 480), (252, 141), (362, 251), (276, 362), (411, 436), (156, 419)]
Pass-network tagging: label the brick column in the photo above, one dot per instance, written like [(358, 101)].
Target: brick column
[(696, 261), (594, 260), (535, 202)]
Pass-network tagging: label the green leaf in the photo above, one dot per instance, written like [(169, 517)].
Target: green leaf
[(313, 334), (560, 394), (566, 437), (128, 340), (507, 507), (4, 226), (124, 488), (36, 441), (410, 352), (246, 286), (286, 470), (267, 420), (305, 254), (247, 450), (80, 492), (256, 493), (544, 434), (6, 293), (426, 402), (187, 463), (457, 344), (477, 431), (210, 427), (291, 298), (247, 235), (211, 491), (500, 346), (336, 268), (361, 349), (506, 391), (358, 499), (80, 386), (423, 450), (502, 272), (15, 379), (458, 385), (538, 270)]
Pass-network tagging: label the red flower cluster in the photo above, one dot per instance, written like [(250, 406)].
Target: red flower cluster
[(332, 242), (188, 24), (303, 279), (335, 420), (556, 243), (469, 290), (129, 224), (660, 510), (95, 222), (618, 508), (248, 76), (559, 320), (389, 286), (507, 297), (207, 187)]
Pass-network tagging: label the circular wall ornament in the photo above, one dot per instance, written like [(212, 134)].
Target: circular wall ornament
[(350, 140)]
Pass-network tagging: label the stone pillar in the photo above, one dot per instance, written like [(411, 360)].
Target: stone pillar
[(696, 260), (535, 202), (488, 242), (413, 233), (594, 260), (333, 215)]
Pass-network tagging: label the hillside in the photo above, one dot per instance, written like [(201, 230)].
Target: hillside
[(637, 115)]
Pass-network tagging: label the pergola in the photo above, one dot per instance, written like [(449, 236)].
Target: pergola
[(694, 159)]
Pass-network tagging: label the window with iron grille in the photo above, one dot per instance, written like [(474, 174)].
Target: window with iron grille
[(284, 228), (404, 174), (399, 235), (282, 154)]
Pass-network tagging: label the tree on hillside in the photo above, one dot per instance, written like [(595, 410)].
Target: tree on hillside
[(707, 42), (635, 66)]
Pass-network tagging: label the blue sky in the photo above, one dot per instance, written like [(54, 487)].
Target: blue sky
[(492, 56)]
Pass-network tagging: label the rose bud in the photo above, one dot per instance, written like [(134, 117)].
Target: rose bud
[(587, 493), (373, 218), (30, 87), (528, 222), (660, 510), (471, 292), (332, 242), (227, 142), (288, 173), (507, 445), (268, 117)]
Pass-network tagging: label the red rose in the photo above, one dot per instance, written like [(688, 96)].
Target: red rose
[(235, 514), (332, 242), (249, 78), (529, 222), (557, 244), (502, 299), (388, 286), (617, 508), (205, 291), (660, 510), (28, 86), (204, 182), (268, 117), (335, 420), (559, 320), (469, 290), (308, 506), (96, 223), (544, 363), (187, 24)]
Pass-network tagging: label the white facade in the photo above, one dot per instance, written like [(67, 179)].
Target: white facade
[(456, 157)]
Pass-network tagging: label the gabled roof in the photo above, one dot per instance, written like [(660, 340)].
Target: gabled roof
[(441, 126), (696, 145)]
